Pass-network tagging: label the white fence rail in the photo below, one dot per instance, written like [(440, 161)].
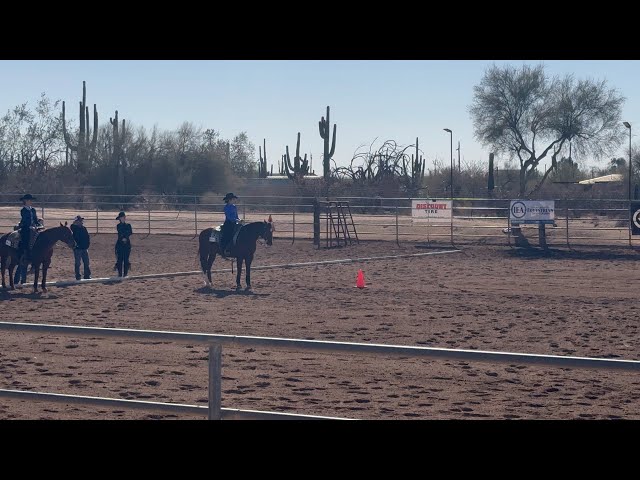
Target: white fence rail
[(217, 341)]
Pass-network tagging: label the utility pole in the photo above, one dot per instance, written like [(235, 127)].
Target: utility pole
[(458, 149)]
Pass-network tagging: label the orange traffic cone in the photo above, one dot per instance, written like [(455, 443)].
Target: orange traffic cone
[(360, 280)]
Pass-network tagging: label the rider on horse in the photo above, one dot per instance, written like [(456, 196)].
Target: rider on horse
[(29, 223), (230, 220)]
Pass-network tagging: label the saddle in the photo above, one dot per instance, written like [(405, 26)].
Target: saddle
[(13, 240), (216, 234)]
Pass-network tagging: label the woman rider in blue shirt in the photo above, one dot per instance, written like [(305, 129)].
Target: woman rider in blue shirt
[(230, 220)]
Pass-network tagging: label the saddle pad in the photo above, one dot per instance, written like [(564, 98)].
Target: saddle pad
[(216, 234), (13, 239)]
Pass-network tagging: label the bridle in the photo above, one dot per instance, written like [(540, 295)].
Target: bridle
[(263, 233)]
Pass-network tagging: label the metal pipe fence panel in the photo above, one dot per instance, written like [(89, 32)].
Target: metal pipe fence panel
[(582, 221)]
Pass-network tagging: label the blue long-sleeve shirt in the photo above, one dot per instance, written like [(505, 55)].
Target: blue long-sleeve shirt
[(231, 213)]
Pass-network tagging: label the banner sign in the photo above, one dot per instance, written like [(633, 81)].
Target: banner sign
[(635, 218), (427, 210), (531, 211)]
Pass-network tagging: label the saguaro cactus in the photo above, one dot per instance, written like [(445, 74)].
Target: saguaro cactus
[(118, 152), (84, 148), (300, 166), (417, 166), (491, 184), (262, 163), (324, 126)]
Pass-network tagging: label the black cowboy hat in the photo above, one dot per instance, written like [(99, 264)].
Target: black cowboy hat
[(121, 214), (28, 196), (229, 196), (79, 218)]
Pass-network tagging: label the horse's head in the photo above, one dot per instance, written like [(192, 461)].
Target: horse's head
[(267, 232), (66, 235)]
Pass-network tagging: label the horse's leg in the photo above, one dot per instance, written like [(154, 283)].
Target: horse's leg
[(247, 264), (11, 279), (239, 265), (210, 260), (17, 273), (203, 252), (3, 266), (36, 273), (45, 267)]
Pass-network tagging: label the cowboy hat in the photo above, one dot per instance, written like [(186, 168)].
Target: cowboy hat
[(78, 218), (229, 196), (121, 214), (28, 196)]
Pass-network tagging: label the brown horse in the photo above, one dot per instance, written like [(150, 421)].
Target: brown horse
[(42, 251), (11, 254), (243, 250)]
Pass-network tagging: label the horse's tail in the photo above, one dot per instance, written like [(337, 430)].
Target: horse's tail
[(202, 255)]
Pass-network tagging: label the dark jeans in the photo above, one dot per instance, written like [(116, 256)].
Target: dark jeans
[(20, 275), (122, 263), (25, 240), (227, 234), (82, 254)]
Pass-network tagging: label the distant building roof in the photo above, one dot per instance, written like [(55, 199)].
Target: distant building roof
[(614, 177)]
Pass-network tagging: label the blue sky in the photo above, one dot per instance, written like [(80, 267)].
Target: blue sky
[(275, 99)]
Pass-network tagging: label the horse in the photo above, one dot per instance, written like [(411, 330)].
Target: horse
[(42, 251), (243, 250), (11, 254)]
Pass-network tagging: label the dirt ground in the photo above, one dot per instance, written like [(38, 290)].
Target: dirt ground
[(581, 303)]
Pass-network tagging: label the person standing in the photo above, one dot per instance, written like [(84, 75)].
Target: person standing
[(81, 252), (123, 245)]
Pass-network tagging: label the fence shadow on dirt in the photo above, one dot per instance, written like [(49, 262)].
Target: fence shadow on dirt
[(222, 293), (603, 253)]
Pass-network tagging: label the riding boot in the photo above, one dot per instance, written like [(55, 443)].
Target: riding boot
[(126, 268)]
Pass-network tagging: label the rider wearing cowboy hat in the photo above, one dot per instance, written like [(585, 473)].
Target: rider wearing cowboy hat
[(28, 221), (230, 220), (81, 252)]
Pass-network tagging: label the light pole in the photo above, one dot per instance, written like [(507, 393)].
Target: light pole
[(451, 133), (628, 125)]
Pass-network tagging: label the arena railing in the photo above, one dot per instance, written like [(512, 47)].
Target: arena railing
[(578, 221), (217, 341)]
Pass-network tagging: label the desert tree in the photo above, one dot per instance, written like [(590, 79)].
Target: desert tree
[(528, 115)]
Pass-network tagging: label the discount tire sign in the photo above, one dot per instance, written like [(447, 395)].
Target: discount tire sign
[(430, 210)]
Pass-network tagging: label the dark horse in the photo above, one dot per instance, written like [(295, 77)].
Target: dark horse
[(10, 254), (244, 249), (41, 253)]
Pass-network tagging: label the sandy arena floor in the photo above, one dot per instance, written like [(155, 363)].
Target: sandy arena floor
[(580, 303)]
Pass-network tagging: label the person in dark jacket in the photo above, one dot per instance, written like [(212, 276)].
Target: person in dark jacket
[(123, 245), (29, 222), (230, 220), (81, 252)]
